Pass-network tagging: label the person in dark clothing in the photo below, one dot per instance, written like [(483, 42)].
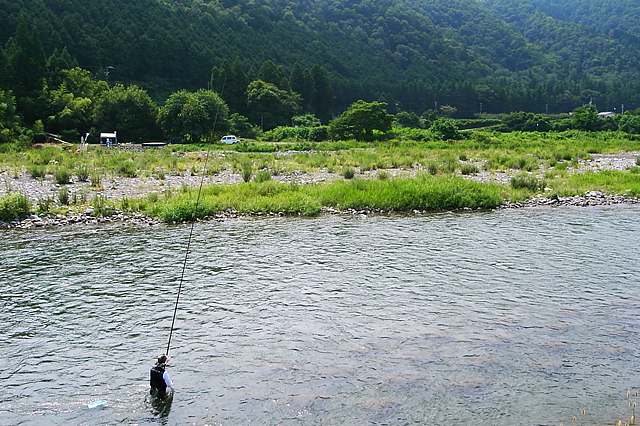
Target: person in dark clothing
[(159, 378)]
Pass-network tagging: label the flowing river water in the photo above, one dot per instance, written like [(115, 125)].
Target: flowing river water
[(513, 317)]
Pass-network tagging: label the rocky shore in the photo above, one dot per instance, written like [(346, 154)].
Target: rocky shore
[(592, 198), (134, 187)]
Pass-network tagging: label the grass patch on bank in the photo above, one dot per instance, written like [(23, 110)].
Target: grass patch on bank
[(606, 181), (429, 193)]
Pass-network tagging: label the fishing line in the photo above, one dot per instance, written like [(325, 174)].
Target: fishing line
[(193, 221)]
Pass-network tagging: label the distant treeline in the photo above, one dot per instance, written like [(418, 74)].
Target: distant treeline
[(319, 57)]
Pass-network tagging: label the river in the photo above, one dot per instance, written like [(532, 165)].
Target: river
[(511, 317)]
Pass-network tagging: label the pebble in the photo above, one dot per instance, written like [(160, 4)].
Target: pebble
[(43, 221)]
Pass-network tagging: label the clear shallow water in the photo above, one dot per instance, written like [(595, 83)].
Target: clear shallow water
[(501, 318)]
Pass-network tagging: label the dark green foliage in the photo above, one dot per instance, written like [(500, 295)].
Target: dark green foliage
[(445, 129), (129, 111), (349, 173), (268, 106), (360, 121), (194, 116), (490, 56), (408, 119), (239, 125), (630, 124), (586, 118), (526, 122), (322, 102)]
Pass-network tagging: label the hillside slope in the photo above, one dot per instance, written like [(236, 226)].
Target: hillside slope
[(414, 54)]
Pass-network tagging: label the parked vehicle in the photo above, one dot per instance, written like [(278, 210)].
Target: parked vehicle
[(229, 139)]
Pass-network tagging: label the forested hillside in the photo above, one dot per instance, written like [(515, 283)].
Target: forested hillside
[(475, 55)]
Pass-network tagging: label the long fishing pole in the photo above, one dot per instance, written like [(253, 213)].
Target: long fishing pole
[(193, 223)]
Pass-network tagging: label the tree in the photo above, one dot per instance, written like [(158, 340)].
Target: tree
[(408, 119), (57, 63), (322, 102), (360, 121), (445, 129), (70, 105), (630, 124), (302, 82), (239, 125), (307, 120), (231, 82), (27, 69), (585, 118), (128, 110), (270, 106), (27, 61), (194, 116), (271, 73), (9, 120)]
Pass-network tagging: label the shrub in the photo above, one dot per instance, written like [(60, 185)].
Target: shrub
[(37, 172), (83, 173), (127, 168), (469, 169), (349, 173), (433, 167), (445, 129), (262, 176), (96, 178), (61, 175), (63, 195), (14, 206), (44, 205), (383, 175), (527, 182), (101, 207), (247, 170)]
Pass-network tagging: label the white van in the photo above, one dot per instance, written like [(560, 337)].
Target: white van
[(230, 139)]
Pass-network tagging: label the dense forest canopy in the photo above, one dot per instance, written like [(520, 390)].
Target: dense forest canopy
[(475, 55)]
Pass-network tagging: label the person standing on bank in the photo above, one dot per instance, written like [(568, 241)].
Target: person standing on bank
[(159, 378)]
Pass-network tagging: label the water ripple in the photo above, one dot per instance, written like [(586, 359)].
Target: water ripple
[(528, 315)]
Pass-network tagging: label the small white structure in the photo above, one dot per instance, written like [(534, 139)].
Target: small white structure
[(606, 114), (109, 138)]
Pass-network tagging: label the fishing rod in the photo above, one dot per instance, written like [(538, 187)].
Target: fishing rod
[(193, 222)]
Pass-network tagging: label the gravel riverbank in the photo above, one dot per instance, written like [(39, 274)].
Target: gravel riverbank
[(118, 188)]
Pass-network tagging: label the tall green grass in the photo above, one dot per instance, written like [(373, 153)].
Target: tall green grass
[(427, 193), (606, 181), (14, 206)]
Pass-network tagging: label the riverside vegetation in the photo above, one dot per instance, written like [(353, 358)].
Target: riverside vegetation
[(390, 176)]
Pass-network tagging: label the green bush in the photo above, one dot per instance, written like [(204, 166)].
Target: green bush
[(469, 169), (83, 173), (349, 173), (63, 195), (527, 182), (262, 176), (127, 168), (37, 172), (247, 170), (14, 206), (101, 207), (61, 175)]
